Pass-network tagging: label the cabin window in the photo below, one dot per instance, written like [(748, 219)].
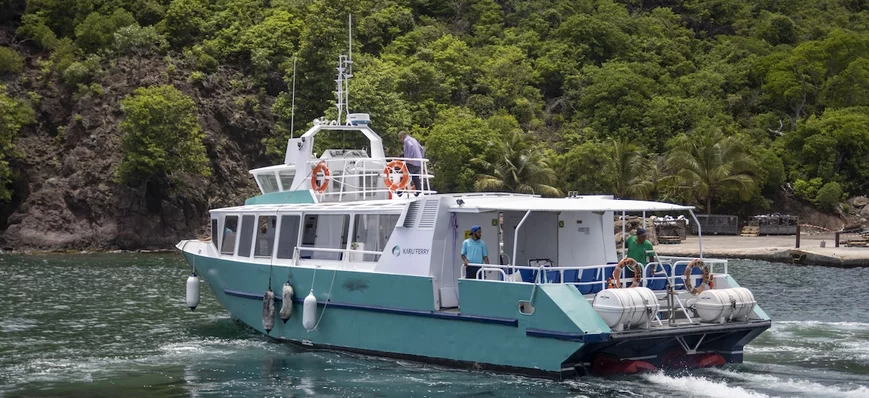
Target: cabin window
[(288, 236), (247, 224), (214, 233), (286, 179), (325, 231), (268, 182), (265, 236), (230, 227), (370, 233)]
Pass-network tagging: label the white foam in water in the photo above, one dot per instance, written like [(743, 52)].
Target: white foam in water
[(794, 386), (701, 386), (861, 326)]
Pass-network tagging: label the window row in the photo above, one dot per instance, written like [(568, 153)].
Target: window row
[(325, 236)]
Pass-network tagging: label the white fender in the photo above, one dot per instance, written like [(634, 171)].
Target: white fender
[(269, 310), (192, 291), (309, 312), (287, 305)]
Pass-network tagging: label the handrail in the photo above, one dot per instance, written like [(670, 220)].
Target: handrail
[(644, 278), (353, 171), (482, 269), (298, 249)]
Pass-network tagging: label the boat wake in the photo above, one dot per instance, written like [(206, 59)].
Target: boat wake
[(792, 386), (696, 385)]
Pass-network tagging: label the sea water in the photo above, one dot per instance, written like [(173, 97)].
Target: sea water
[(107, 325)]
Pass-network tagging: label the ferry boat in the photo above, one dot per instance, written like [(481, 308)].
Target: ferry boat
[(340, 251)]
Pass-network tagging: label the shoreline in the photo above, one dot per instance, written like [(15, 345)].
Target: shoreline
[(97, 251), (773, 248)]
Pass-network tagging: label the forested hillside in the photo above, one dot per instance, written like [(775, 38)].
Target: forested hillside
[(123, 121)]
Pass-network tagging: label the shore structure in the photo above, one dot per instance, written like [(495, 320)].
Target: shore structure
[(775, 248)]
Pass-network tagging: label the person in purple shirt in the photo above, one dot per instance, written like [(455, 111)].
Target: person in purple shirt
[(412, 150)]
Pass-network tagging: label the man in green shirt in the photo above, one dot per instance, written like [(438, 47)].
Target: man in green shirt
[(638, 246)]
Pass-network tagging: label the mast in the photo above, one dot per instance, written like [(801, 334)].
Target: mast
[(345, 72)]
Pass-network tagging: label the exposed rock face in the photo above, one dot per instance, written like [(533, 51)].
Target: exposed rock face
[(864, 212), (66, 197), (859, 201)]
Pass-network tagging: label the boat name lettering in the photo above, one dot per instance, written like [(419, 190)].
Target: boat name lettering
[(414, 251)]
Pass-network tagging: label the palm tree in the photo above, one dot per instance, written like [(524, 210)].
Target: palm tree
[(630, 179), (519, 166), (708, 164)]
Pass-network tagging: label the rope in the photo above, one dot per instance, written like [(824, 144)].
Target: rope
[(326, 303)]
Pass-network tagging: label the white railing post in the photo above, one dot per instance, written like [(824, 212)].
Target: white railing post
[(516, 236)]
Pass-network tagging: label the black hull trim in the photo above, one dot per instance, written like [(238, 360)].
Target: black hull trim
[(656, 347)]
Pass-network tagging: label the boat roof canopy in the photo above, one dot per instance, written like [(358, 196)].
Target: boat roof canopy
[(369, 206), (524, 203)]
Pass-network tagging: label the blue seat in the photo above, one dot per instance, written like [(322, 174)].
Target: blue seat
[(571, 275), (678, 271), (547, 277), (528, 275), (588, 275), (551, 277), (657, 284), (607, 273)]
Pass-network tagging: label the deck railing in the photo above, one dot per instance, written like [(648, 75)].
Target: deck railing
[(665, 269), (345, 255), (365, 178)]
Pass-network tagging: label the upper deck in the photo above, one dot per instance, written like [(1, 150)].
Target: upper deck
[(345, 175)]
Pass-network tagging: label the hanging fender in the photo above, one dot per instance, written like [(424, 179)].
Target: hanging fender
[(192, 291), (287, 305), (269, 310)]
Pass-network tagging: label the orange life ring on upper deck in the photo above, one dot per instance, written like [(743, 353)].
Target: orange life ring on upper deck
[(392, 167), (707, 277), (320, 187), (627, 262)]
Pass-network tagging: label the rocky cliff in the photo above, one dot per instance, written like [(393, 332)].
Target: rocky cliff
[(65, 194)]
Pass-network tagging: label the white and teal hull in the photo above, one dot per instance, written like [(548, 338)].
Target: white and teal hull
[(395, 316)]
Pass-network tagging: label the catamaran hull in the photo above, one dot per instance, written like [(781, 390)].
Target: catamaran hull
[(394, 316)]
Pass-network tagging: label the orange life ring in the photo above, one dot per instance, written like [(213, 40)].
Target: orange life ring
[(401, 168), (707, 277), (320, 187), (627, 262)]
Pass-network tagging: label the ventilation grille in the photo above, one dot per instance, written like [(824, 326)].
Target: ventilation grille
[(410, 217), (429, 213)]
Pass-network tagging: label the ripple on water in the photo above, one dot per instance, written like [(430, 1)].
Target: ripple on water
[(84, 330)]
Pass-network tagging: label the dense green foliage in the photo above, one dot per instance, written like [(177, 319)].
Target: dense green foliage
[(161, 136), (10, 61), (13, 115), (520, 166), (697, 101)]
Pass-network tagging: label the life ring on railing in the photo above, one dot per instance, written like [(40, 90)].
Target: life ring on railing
[(635, 266), (393, 167), (707, 277), (320, 187)]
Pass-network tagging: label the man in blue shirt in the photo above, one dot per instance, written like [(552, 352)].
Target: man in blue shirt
[(412, 150), (474, 251)]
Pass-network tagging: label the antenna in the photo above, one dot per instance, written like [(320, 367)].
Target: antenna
[(345, 72), (349, 63), (293, 107), (350, 44)]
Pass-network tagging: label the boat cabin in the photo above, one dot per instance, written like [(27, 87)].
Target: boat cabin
[(357, 210)]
